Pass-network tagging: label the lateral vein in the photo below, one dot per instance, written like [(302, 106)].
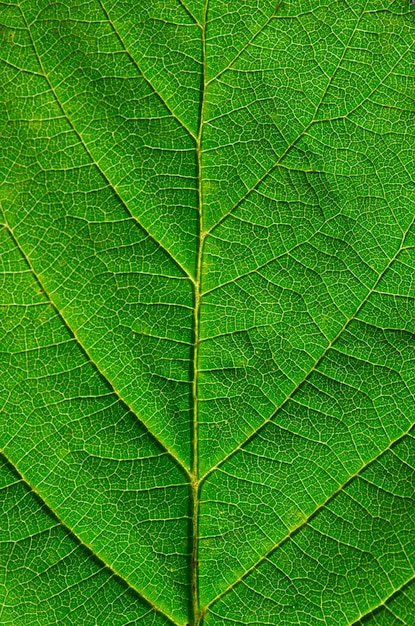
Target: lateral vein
[(311, 516), (90, 359), (384, 601), (317, 361), (86, 545), (96, 163), (148, 81)]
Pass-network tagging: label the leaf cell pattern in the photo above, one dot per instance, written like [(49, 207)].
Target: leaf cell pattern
[(207, 292)]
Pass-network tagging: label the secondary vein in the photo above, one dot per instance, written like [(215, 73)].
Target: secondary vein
[(133, 60), (96, 163), (316, 363), (101, 372), (87, 545), (310, 517)]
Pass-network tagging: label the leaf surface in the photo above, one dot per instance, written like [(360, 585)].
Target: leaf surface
[(207, 330)]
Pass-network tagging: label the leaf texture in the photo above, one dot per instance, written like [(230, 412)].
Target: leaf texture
[(207, 332)]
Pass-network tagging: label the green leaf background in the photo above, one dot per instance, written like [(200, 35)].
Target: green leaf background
[(207, 312)]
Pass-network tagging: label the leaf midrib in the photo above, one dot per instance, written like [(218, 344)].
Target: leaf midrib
[(195, 482)]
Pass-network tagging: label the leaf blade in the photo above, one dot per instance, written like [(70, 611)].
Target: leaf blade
[(209, 300)]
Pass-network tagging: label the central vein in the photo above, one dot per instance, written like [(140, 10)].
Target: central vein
[(197, 615), (195, 452)]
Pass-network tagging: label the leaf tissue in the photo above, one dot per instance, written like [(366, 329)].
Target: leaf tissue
[(207, 329)]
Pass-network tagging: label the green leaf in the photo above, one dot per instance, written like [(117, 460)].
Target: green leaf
[(207, 331)]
